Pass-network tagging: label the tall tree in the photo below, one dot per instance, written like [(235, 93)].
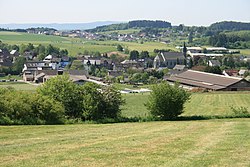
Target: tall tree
[(119, 48), (144, 55), (134, 55), (190, 37)]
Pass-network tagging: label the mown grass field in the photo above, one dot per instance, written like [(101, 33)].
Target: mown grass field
[(202, 104), (184, 143)]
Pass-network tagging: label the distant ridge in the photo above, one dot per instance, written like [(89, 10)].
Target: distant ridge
[(59, 26)]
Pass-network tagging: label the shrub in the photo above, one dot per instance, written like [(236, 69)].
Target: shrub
[(18, 107), (166, 101), (100, 103), (66, 92)]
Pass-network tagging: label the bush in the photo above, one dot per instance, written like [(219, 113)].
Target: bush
[(100, 103), (166, 101), (66, 92), (18, 107)]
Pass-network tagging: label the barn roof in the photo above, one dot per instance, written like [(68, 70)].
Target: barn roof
[(203, 79)]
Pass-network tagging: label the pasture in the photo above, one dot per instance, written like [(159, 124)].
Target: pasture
[(182, 143), (76, 45), (202, 104), (18, 86)]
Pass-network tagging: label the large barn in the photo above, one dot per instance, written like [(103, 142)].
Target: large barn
[(210, 81)]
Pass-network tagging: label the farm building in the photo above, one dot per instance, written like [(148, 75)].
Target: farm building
[(210, 81)]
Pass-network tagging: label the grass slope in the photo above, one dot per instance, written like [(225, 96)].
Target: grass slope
[(203, 104), (76, 45), (184, 143)]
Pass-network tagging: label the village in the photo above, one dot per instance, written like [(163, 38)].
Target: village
[(124, 84), (189, 67)]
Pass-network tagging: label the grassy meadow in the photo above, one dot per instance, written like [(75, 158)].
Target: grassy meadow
[(202, 104), (18, 86), (184, 143), (76, 45)]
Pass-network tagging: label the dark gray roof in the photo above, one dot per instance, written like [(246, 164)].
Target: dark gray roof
[(215, 62), (55, 59), (179, 67), (48, 72), (173, 55), (76, 72), (203, 79)]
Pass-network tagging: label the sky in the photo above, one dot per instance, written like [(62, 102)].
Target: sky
[(187, 12)]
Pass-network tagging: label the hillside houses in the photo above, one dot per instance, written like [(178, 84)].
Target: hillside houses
[(33, 68)]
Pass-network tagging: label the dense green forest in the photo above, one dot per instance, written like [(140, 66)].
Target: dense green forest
[(133, 24), (234, 39), (230, 25)]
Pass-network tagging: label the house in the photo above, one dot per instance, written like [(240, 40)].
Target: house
[(5, 58), (209, 81), (28, 55), (242, 72), (14, 53), (246, 59), (48, 58), (217, 50), (65, 61), (230, 72), (34, 65), (179, 67), (207, 55), (169, 59), (191, 49), (114, 73), (214, 63), (77, 76), (55, 63), (89, 60), (32, 68), (5, 62)]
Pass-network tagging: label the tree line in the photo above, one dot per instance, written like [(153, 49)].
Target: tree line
[(59, 100), (231, 40)]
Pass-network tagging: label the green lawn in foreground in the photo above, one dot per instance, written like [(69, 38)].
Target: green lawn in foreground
[(184, 143)]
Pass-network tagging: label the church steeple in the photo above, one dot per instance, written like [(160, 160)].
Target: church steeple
[(184, 50)]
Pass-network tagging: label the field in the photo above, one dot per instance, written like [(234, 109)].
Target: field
[(202, 104), (76, 45), (214, 103), (184, 143), (18, 86)]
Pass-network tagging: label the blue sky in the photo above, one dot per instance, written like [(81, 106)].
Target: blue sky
[(188, 12)]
